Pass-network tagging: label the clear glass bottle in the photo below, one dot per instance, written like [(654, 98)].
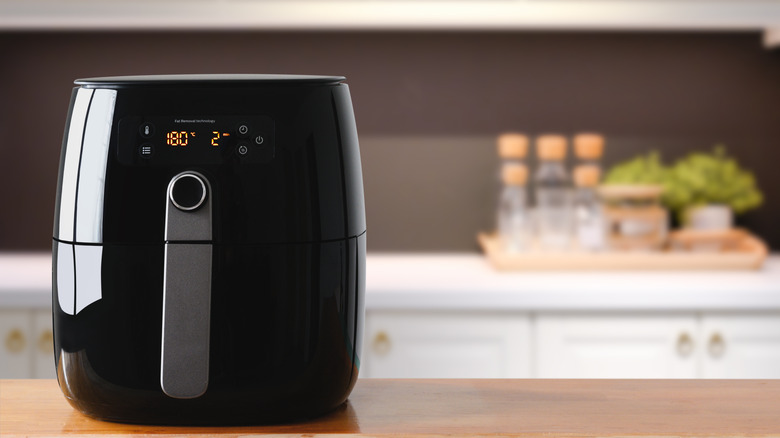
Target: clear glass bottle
[(590, 229), (553, 193), (514, 220)]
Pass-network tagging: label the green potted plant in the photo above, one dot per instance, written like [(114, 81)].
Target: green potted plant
[(704, 189), (707, 189)]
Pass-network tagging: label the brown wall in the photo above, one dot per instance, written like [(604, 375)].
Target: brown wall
[(428, 106)]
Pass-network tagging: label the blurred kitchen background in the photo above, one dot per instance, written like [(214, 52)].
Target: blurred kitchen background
[(433, 85)]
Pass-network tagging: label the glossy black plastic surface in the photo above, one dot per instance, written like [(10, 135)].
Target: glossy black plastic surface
[(310, 191), (284, 326), (288, 250)]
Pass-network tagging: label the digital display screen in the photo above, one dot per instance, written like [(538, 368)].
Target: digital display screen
[(196, 140)]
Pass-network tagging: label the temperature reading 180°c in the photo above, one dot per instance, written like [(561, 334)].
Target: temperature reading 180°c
[(178, 138)]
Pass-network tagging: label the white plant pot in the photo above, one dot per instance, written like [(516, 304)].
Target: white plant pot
[(712, 217)]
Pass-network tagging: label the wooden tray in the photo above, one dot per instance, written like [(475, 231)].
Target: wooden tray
[(749, 254)]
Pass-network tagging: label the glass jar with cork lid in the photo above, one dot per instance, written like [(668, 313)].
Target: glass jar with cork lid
[(634, 216)]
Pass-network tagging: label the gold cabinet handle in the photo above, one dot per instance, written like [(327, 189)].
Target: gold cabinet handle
[(46, 342), (717, 345), (15, 341), (382, 343), (684, 345)]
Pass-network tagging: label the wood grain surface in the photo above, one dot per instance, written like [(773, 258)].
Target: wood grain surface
[(528, 408), (749, 255)]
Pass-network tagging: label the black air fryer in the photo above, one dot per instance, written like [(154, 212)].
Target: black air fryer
[(209, 249)]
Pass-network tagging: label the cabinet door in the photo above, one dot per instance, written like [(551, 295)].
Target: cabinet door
[(615, 346), (42, 345), (15, 333), (446, 345), (741, 346)]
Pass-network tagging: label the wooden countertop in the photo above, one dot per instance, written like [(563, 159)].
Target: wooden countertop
[(406, 408)]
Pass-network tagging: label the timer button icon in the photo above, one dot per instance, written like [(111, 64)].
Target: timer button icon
[(243, 129), (146, 130)]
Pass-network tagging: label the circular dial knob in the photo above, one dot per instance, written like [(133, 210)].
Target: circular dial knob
[(188, 192)]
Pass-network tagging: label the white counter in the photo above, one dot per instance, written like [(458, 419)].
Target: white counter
[(25, 279), (466, 281)]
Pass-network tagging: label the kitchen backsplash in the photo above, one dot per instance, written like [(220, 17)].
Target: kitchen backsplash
[(428, 107)]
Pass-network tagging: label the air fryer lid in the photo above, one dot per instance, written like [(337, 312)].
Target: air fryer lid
[(208, 80), (278, 155)]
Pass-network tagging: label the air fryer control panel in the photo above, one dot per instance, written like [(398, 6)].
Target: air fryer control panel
[(165, 140)]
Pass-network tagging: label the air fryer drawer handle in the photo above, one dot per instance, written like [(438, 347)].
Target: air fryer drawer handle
[(184, 367), (186, 316)]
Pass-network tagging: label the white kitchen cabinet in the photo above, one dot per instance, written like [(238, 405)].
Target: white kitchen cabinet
[(446, 345), (43, 348), (704, 345), (15, 334), (740, 346), (658, 344), (615, 346), (27, 347)]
